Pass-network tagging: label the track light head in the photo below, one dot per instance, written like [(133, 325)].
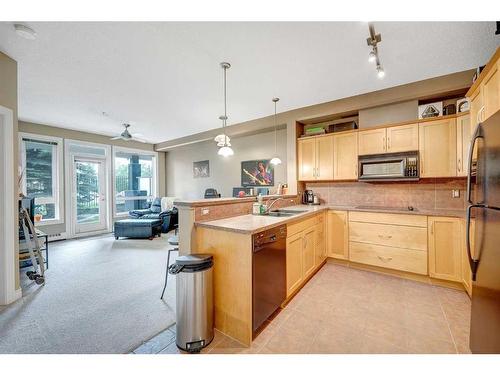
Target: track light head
[(372, 57), (380, 72)]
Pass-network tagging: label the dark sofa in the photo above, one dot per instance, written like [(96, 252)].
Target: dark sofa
[(168, 218)]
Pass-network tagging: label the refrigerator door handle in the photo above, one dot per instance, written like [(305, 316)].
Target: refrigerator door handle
[(472, 262), (477, 134)]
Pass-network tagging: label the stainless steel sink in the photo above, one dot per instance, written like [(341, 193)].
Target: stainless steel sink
[(285, 213)]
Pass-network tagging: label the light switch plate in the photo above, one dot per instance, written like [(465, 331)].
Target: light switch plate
[(205, 211), (455, 193)]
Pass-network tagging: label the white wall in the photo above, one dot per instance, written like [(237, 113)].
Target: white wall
[(225, 173)]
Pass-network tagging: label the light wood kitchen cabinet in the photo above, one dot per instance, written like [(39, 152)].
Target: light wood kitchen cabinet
[(294, 248), (466, 271), (324, 158), (402, 138), (306, 150), (338, 234), (438, 148), (396, 258), (319, 244), (491, 88), (392, 241), (315, 158), (345, 156), (445, 248), (308, 260), (372, 141), (476, 107), (305, 248), (464, 132), (484, 95), (391, 139)]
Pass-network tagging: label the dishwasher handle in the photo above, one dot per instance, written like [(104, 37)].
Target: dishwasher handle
[(260, 244)]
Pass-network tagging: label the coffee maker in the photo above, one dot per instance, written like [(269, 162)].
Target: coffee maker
[(308, 197)]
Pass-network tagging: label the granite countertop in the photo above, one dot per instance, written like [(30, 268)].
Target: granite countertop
[(250, 224)]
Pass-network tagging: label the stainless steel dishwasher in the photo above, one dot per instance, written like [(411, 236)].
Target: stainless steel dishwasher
[(268, 273)]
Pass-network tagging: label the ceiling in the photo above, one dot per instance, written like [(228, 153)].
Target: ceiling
[(164, 77)]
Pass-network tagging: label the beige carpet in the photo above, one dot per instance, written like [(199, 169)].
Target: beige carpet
[(101, 296)]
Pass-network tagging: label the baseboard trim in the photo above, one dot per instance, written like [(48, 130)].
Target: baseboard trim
[(401, 274)]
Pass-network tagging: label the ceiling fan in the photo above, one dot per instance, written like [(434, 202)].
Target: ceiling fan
[(126, 136)]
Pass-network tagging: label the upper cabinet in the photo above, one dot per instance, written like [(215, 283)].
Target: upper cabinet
[(464, 133), (324, 158), (476, 107), (315, 158), (345, 156), (490, 88), (402, 138), (306, 159), (484, 94), (391, 139), (372, 142), (438, 148)]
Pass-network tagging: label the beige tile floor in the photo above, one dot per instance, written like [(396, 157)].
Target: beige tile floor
[(344, 310)]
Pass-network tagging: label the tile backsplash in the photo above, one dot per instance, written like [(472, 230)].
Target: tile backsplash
[(424, 194)]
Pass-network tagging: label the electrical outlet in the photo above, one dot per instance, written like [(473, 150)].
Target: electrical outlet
[(205, 211), (455, 193)]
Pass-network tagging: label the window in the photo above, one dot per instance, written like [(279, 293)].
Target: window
[(40, 159), (134, 179)]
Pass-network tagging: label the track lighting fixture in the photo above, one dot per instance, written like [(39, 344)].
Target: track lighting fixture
[(373, 57)]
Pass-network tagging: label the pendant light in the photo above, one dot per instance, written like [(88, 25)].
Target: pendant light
[(226, 149), (275, 160)]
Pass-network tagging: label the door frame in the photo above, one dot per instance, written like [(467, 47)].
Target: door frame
[(8, 213), (68, 173)]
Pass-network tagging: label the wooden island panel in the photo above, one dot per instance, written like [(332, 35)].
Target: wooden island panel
[(232, 275)]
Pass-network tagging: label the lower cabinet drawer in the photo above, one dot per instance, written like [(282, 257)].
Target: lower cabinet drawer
[(389, 235), (389, 257)]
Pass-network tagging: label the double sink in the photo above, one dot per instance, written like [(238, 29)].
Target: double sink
[(285, 212)]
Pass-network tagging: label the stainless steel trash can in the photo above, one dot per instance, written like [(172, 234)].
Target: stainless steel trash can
[(194, 299)]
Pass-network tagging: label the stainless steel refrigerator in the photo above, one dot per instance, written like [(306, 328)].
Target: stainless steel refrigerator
[(483, 194)]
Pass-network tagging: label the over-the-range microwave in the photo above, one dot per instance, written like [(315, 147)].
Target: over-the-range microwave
[(401, 166)]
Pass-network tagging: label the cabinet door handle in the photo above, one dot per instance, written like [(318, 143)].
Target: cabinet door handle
[(432, 228), (388, 143), (459, 165), (384, 259), (383, 143), (479, 116)]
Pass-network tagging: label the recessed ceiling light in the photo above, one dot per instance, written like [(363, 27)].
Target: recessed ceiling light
[(25, 31)]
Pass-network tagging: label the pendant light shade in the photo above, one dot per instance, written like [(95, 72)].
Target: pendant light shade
[(225, 151), (276, 159), (222, 139)]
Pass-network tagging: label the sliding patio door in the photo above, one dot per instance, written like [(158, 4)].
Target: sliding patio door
[(90, 201)]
